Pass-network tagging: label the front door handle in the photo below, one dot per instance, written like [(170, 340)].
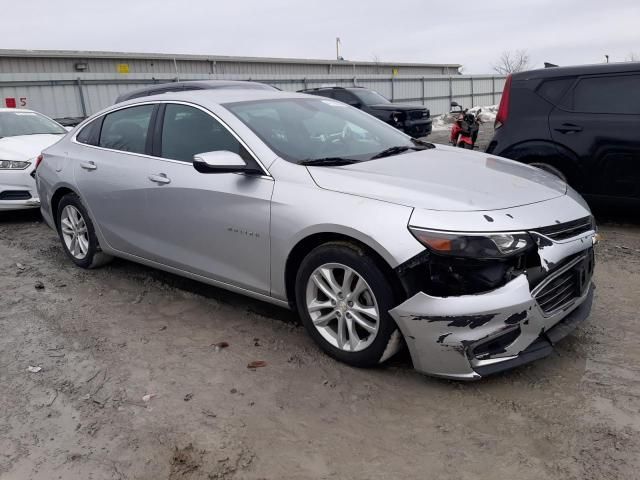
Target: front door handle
[(568, 128), (88, 165), (160, 178)]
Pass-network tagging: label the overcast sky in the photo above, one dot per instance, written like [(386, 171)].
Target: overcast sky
[(472, 33)]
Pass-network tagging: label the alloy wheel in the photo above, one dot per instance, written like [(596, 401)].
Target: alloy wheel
[(74, 232), (342, 307)]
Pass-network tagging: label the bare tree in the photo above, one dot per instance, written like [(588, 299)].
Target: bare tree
[(512, 61)]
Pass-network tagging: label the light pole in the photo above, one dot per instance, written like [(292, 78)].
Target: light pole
[(337, 48)]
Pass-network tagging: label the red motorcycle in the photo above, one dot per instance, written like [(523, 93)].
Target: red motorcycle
[(464, 131)]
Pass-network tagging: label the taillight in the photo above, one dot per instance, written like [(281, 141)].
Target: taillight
[(38, 161), (503, 109)]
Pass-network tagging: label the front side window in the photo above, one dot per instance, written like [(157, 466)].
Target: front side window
[(127, 129), (304, 129), (610, 94), (187, 131), (14, 124)]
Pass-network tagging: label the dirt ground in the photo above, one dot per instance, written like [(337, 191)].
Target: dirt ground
[(132, 386)]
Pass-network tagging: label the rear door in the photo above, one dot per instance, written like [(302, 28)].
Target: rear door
[(215, 225), (110, 165), (599, 120)]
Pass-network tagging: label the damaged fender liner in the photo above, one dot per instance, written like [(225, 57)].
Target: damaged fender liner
[(543, 346)]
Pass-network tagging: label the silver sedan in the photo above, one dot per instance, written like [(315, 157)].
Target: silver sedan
[(478, 264)]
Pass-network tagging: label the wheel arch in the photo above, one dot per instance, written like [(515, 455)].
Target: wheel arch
[(554, 154), (305, 245), (55, 201)]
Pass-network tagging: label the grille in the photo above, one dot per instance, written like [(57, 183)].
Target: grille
[(15, 195), (562, 231), (567, 285), (418, 114)]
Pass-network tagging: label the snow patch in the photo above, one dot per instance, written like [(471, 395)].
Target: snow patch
[(444, 121)]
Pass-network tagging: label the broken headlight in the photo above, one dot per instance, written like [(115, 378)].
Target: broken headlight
[(12, 165), (471, 245)]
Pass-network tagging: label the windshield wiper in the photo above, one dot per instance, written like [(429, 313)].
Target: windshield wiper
[(328, 162), (418, 145), (422, 143)]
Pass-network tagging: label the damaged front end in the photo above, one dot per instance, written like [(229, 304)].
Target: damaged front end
[(468, 316)]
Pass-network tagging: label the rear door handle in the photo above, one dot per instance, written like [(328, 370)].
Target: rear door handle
[(568, 128), (88, 165), (160, 178)]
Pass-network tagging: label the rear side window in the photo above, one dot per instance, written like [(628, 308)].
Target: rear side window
[(187, 130), (611, 94), (126, 129), (90, 133), (553, 90)]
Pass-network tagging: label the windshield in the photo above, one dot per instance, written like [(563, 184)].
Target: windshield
[(302, 130), (13, 124)]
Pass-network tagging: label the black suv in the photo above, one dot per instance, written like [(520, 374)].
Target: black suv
[(581, 123), (192, 85), (411, 119)]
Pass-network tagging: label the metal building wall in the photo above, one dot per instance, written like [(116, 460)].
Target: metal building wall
[(51, 85), (68, 95)]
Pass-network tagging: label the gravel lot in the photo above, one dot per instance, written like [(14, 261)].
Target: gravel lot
[(107, 338)]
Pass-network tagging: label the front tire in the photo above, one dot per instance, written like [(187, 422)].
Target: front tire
[(77, 233), (344, 300)]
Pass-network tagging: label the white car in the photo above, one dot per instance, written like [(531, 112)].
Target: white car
[(23, 135)]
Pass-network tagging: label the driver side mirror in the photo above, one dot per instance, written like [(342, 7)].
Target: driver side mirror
[(219, 162)]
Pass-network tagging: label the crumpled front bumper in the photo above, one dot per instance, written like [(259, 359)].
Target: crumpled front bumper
[(448, 336)]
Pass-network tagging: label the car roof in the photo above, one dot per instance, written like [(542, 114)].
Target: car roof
[(194, 84), (572, 71), (219, 96), (319, 89)]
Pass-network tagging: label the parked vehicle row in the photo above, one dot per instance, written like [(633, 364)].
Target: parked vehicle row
[(376, 239)]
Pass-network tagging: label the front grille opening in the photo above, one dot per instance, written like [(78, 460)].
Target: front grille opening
[(496, 345), (566, 286), (562, 231), (15, 195)]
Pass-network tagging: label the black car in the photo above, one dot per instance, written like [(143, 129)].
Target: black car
[(191, 85), (580, 123), (411, 119)]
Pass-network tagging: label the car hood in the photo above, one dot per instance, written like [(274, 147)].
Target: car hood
[(25, 147), (443, 178), (396, 107)]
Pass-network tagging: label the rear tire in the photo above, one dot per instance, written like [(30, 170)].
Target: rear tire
[(550, 169), (343, 299), (77, 234)]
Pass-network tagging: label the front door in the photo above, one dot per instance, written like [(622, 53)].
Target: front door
[(215, 225)]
